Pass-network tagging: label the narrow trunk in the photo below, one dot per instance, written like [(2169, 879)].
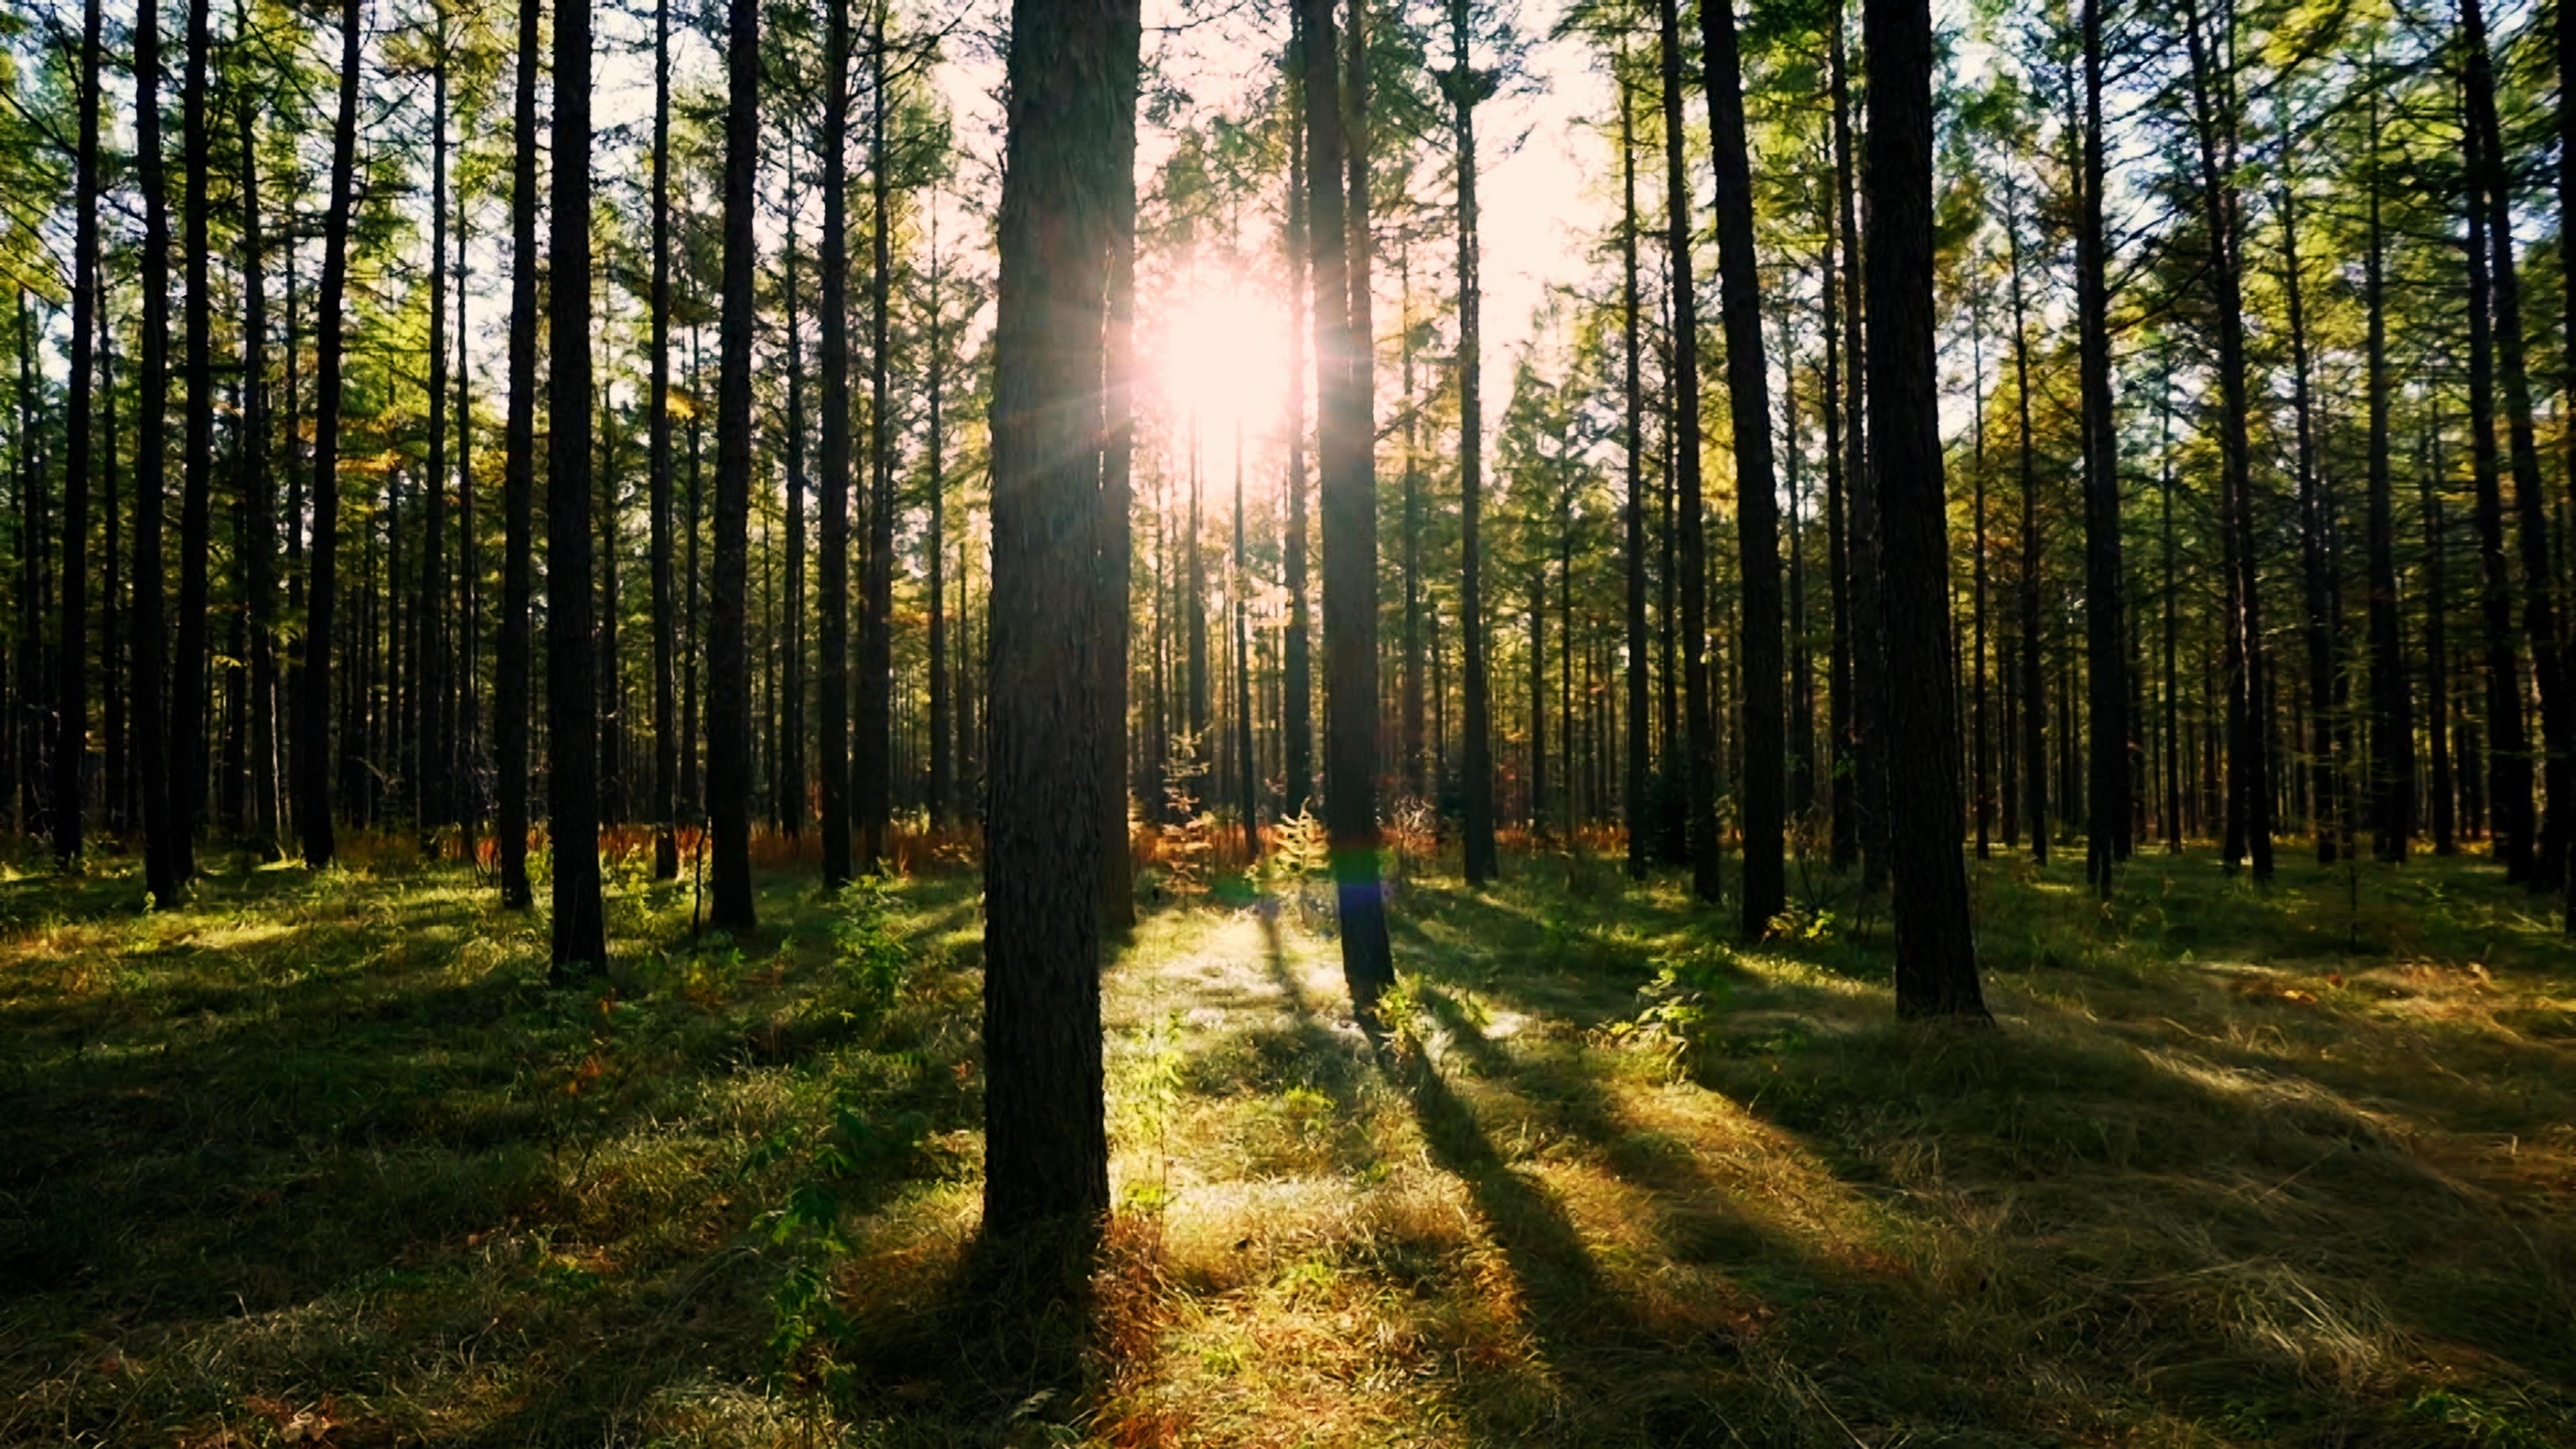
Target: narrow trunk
[(729, 774), (512, 710), (321, 597), (1700, 771), (1466, 86), (71, 680), (666, 636)]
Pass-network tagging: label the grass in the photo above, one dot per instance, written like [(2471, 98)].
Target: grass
[(322, 1159)]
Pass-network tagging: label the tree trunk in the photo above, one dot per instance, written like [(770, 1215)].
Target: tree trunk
[(943, 757), (1936, 964), (2491, 183), (2248, 771), (321, 597), (572, 692), (188, 691), (1297, 712), (2034, 694), (729, 773), (2392, 738), (1072, 86), (1869, 761), (2313, 560), (1757, 508), (876, 657), (435, 768), (1117, 547), (1466, 87), (1347, 438), (2508, 791), (512, 709), (1635, 509), (2437, 673), (2106, 633), (666, 638), (834, 705), (71, 680), (260, 509), (1700, 772)]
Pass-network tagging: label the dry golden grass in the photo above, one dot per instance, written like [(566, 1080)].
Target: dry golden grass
[(2239, 1168)]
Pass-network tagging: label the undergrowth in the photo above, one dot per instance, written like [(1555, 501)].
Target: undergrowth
[(320, 1158)]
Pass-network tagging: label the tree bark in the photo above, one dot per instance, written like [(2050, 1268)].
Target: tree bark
[(321, 598), (572, 694), (1072, 69), (1757, 507), (666, 636), (512, 710), (2392, 738), (71, 680), (875, 783), (2106, 631), (1639, 832), (1466, 87), (834, 707), (729, 773), (1700, 772), (1936, 964), (1347, 439)]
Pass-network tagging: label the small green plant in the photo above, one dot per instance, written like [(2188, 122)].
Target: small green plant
[(1157, 1097), (1803, 925), (851, 1148), (868, 954), (1674, 1004)]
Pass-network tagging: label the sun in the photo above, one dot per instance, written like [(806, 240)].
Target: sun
[(1224, 358)]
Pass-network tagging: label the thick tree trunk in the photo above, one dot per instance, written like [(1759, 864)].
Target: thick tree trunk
[(1757, 508), (1072, 89), (1936, 964), (1869, 760), (729, 773), (1117, 546), (572, 690), (1347, 439)]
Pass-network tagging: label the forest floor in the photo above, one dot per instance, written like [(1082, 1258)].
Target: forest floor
[(322, 1159)]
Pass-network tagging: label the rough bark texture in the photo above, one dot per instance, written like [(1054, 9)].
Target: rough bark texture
[(1936, 964), (666, 621), (1072, 71)]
